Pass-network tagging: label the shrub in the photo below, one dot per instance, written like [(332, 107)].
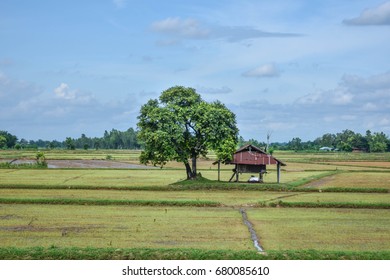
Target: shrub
[(41, 159)]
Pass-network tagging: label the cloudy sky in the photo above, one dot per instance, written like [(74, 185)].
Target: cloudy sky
[(297, 68)]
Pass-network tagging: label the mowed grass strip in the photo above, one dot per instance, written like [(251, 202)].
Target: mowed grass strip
[(77, 201), (122, 227), (77, 253), (226, 197), (322, 229)]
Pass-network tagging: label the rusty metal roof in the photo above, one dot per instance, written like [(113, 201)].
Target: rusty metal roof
[(253, 155)]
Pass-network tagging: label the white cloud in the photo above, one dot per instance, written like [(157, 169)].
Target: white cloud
[(187, 28), (193, 29), (74, 96), (28, 112), (373, 83), (375, 16), (241, 33), (62, 91), (346, 106), (264, 71)]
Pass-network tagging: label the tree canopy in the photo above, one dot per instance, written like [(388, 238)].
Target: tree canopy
[(7, 140), (181, 126)]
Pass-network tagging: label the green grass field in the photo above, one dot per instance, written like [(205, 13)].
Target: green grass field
[(75, 210), (228, 198), (125, 178)]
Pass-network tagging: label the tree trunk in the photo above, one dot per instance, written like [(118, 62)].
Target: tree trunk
[(188, 170), (194, 170), (191, 172)]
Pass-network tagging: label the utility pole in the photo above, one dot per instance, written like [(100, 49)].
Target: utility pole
[(269, 133)]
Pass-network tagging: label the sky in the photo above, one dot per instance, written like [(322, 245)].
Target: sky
[(298, 68)]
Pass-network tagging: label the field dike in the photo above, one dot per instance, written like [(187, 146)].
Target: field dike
[(252, 231)]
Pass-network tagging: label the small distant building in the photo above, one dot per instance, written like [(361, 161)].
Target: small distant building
[(251, 159), (326, 149)]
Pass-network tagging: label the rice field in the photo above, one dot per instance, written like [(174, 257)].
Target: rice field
[(126, 177), (121, 227), (68, 207), (322, 229), (355, 180), (232, 198)]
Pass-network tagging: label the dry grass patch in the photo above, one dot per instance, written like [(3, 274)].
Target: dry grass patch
[(356, 180), (364, 164), (126, 177), (322, 229), (122, 227), (338, 197), (86, 177)]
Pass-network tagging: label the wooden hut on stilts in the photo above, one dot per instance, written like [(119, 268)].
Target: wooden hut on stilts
[(251, 159)]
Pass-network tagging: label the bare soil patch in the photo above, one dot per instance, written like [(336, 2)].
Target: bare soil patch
[(86, 163), (378, 164), (319, 183)]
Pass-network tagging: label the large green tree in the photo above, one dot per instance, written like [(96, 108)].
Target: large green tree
[(10, 139), (181, 126), (377, 142)]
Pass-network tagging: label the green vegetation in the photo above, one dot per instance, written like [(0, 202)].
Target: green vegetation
[(345, 141), (114, 139), (7, 165), (40, 162), (328, 206), (181, 127), (66, 201), (7, 140), (74, 253), (220, 197)]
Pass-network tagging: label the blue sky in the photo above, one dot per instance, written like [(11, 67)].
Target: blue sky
[(294, 68)]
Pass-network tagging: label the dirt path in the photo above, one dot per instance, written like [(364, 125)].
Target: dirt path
[(319, 183)]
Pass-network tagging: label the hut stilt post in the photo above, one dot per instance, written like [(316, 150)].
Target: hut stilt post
[(219, 170)]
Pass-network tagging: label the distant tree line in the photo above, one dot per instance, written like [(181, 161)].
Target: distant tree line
[(347, 141), (114, 139)]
